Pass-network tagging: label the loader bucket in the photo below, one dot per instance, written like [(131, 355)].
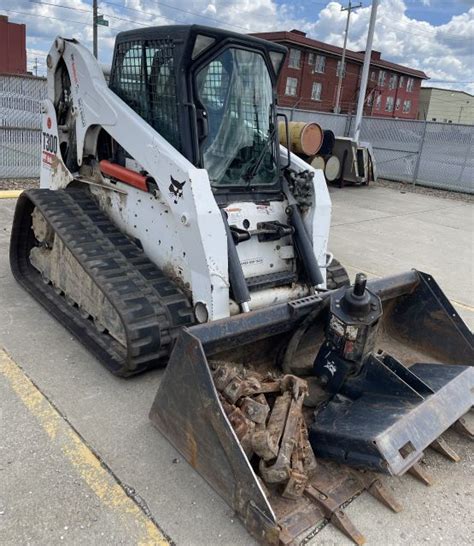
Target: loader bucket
[(383, 422)]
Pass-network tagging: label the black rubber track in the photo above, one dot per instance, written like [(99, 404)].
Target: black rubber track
[(150, 305), (336, 276)]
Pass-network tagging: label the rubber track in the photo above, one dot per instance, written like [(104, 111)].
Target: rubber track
[(150, 305), (337, 276)]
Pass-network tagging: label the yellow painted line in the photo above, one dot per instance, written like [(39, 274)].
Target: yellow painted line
[(87, 465), (10, 194)]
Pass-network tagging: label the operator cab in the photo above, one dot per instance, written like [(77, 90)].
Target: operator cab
[(212, 94)]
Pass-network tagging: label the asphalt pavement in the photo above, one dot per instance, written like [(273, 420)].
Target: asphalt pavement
[(80, 463)]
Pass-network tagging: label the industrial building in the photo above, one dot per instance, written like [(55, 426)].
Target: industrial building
[(309, 79), (12, 47), (446, 105)]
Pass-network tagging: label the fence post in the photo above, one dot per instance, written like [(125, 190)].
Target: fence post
[(420, 151), (467, 155), (347, 129)]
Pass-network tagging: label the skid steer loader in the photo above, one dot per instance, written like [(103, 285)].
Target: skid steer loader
[(171, 228)]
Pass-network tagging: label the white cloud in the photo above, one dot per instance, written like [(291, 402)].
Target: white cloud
[(444, 52)]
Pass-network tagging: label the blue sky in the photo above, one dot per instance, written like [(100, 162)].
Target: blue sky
[(432, 35)]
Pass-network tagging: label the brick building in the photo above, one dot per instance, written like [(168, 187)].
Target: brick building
[(12, 47), (309, 79)]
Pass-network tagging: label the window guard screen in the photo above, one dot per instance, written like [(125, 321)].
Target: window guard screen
[(144, 78)]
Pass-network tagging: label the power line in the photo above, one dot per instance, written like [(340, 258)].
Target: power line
[(183, 11), (59, 6), (47, 17)]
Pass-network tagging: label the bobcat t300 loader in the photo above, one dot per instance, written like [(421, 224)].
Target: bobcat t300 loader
[(171, 228)]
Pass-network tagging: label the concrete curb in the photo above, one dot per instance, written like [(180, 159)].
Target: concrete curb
[(10, 194)]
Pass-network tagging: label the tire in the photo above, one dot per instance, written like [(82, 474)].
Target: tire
[(336, 276)]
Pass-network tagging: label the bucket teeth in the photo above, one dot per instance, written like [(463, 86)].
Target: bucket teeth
[(461, 426), (420, 473), (379, 491), (375, 486), (335, 515), (441, 446)]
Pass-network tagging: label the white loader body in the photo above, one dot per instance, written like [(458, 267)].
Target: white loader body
[(180, 231)]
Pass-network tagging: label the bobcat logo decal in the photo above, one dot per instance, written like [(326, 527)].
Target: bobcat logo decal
[(176, 189), (331, 367)]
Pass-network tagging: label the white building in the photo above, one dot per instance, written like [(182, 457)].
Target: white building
[(446, 105)]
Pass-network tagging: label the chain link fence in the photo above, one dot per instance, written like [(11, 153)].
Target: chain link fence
[(434, 154), (20, 125), (439, 155)]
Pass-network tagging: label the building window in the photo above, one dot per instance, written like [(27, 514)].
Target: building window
[(295, 58), (392, 84), (410, 83), (389, 104), (382, 78), (372, 76), (338, 69), (406, 106), (397, 104), (311, 59), (320, 64), (316, 91), (378, 102), (291, 85), (370, 99), (401, 81)]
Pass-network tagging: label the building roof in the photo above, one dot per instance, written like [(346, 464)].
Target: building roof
[(446, 89), (299, 38)]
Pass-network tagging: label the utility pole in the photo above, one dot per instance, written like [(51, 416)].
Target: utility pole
[(97, 20), (349, 9), (94, 28), (365, 70), (35, 66)]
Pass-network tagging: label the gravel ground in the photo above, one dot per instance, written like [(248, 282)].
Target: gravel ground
[(19, 183), (407, 187)]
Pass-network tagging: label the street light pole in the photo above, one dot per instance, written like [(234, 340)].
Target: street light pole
[(343, 58), (365, 70)]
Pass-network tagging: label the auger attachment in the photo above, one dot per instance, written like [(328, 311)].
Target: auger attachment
[(383, 414)]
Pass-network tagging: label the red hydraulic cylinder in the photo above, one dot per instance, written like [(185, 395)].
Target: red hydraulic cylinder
[(127, 176)]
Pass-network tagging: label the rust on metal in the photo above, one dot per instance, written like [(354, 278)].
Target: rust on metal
[(266, 413), (420, 474), (335, 514), (461, 426), (379, 491)]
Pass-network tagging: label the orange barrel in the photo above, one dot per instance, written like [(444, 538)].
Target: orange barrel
[(317, 162), (305, 138), (332, 168)]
